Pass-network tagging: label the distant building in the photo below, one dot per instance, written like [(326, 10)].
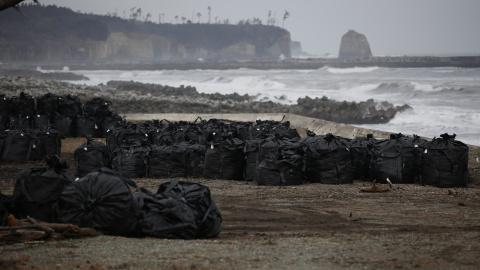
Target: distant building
[(354, 45)]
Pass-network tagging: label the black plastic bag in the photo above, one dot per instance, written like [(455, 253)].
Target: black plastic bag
[(64, 124), (165, 216), (85, 125), (131, 162), (98, 107), (445, 162), (37, 189), (167, 161), (284, 167), (47, 104), (91, 156), (225, 160), (395, 159), (101, 200), (198, 197), (18, 146), (24, 104), (70, 106), (361, 155)]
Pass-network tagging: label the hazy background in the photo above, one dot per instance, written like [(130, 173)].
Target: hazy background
[(406, 27)]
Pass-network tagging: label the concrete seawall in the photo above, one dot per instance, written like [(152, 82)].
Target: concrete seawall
[(301, 123)]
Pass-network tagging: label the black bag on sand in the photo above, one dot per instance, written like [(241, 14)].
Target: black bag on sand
[(70, 106), (64, 124), (18, 146), (195, 159), (361, 154), (284, 167), (165, 216), (91, 156), (445, 162), (24, 104), (225, 160), (167, 161), (37, 189), (131, 162), (329, 160), (395, 159), (101, 200), (198, 197)]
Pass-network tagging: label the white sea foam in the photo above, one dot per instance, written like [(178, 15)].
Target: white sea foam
[(351, 70), (435, 109)]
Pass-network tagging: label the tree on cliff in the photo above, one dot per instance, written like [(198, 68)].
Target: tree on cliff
[(285, 16)]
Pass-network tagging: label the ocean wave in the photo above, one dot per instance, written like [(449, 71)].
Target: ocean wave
[(256, 83), (351, 70)]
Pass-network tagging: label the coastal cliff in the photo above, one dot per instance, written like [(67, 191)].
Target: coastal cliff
[(54, 34)]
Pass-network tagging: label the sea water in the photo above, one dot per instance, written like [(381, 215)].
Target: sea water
[(444, 100)]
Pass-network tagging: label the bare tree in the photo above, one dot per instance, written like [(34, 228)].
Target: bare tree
[(199, 15), (209, 15), (176, 18), (285, 16), (184, 19)]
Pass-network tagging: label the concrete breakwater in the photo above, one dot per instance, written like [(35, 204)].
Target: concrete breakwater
[(292, 63)]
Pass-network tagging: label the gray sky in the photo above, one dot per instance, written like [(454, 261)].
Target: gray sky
[(392, 27)]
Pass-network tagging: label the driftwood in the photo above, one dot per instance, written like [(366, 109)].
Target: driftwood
[(27, 230), (374, 188)]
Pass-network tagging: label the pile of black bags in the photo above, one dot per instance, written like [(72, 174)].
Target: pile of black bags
[(32, 128), (66, 113), (104, 200), (267, 152)]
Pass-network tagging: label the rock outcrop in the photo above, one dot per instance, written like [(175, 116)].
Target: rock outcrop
[(354, 45)]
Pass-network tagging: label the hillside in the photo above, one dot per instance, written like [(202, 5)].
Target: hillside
[(56, 34)]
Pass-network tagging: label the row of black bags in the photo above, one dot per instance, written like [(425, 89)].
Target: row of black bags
[(280, 160), (30, 144), (66, 113), (103, 200)]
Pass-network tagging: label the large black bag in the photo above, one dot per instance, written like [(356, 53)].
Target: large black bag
[(328, 160), (24, 104), (64, 124), (361, 155), (195, 159), (47, 104), (225, 160), (91, 156), (445, 162), (85, 125), (165, 216), (283, 167), (70, 106), (37, 189), (395, 159), (167, 161), (131, 162), (207, 215), (251, 151), (98, 107), (101, 200), (18, 146)]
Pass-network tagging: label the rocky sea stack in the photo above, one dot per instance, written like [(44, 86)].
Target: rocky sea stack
[(354, 45)]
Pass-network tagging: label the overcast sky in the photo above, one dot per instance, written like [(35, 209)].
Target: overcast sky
[(392, 27)]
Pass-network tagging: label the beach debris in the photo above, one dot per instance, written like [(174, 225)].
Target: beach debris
[(375, 188)]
